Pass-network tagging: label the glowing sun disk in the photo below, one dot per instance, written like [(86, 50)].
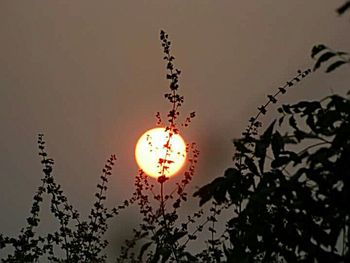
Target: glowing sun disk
[(156, 154)]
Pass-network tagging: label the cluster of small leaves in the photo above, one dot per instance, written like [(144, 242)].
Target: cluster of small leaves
[(176, 100), (254, 123), (188, 175), (170, 239), (26, 245), (221, 186), (80, 241), (148, 219), (324, 54), (302, 214), (160, 237), (213, 252), (296, 215), (165, 234), (334, 59), (100, 214), (235, 188), (173, 74)]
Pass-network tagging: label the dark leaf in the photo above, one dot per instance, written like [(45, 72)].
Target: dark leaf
[(277, 144), (262, 109), (282, 90), (280, 120), (262, 145), (165, 252), (260, 149), (316, 49), (272, 98), (342, 9), (241, 147), (292, 122), (286, 108), (144, 248), (342, 137), (335, 65), (267, 134), (206, 192), (251, 165), (177, 236), (323, 58)]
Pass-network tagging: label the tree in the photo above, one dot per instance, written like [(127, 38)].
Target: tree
[(289, 188)]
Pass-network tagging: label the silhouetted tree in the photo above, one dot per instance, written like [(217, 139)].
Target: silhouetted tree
[(289, 188)]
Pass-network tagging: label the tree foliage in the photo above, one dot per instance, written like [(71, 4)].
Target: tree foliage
[(78, 240), (288, 189), (324, 55), (292, 205)]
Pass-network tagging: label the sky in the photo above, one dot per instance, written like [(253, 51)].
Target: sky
[(90, 76)]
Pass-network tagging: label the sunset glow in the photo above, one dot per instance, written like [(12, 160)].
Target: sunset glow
[(152, 156)]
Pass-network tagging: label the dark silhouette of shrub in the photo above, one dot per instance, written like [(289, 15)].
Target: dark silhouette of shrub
[(289, 192), (289, 188), (79, 240)]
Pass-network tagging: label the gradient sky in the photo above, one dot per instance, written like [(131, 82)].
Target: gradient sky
[(90, 76)]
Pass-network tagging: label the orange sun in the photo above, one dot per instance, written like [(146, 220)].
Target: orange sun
[(153, 157)]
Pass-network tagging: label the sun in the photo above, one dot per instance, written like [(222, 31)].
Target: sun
[(160, 152)]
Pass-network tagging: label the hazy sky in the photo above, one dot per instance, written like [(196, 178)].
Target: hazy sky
[(90, 76)]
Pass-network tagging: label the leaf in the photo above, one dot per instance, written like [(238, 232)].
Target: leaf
[(299, 135), (342, 9), (262, 145), (277, 144), (213, 189), (323, 58), (220, 192), (327, 120), (316, 49), (340, 104), (280, 120), (231, 174), (144, 248), (189, 257), (251, 165), (286, 108), (341, 136), (260, 149), (272, 98), (282, 90), (240, 147), (335, 65), (204, 193), (267, 134), (165, 252), (293, 122), (176, 236), (227, 251), (310, 121), (262, 109), (306, 107)]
